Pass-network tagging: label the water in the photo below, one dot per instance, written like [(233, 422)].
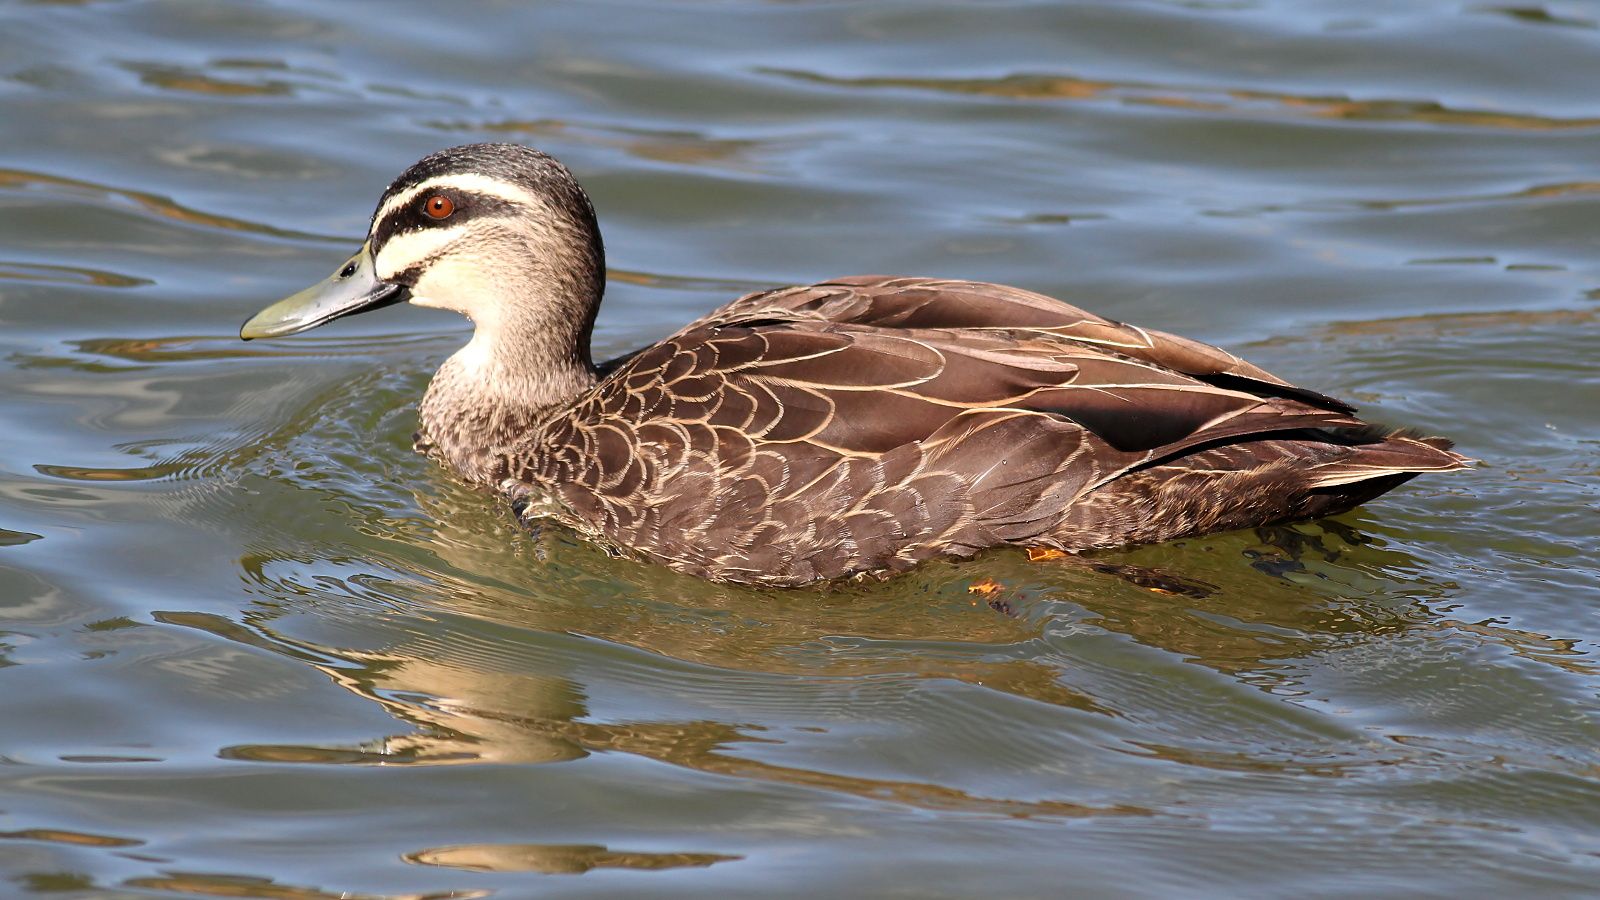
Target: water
[(253, 646)]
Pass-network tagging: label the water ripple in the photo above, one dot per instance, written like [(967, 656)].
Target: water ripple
[(558, 859), (1198, 99), (24, 181), (74, 275)]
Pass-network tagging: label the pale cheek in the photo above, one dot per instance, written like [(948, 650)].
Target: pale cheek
[(456, 284), (403, 251)]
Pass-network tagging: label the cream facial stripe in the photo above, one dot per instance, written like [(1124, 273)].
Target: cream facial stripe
[(465, 182), (410, 249)]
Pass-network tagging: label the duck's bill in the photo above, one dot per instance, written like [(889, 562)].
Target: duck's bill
[(353, 288)]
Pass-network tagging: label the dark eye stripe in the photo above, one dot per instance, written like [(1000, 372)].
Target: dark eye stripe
[(412, 216)]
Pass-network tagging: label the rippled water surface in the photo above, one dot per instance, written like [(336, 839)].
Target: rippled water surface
[(251, 645)]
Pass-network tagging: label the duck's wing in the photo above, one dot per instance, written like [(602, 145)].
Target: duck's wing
[(793, 446), (903, 302)]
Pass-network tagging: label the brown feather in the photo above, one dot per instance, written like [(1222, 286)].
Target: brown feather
[(867, 423)]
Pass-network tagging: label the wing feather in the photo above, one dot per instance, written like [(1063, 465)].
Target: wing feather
[(871, 422)]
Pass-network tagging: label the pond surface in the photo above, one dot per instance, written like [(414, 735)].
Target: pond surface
[(252, 645)]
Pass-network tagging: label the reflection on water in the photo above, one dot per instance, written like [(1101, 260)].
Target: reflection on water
[(26, 183), (206, 884), (20, 271), (465, 707), (76, 838), (557, 859), (463, 712), (679, 147), (1235, 101)]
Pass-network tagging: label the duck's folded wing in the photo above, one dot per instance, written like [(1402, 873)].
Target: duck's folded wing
[(936, 435), (913, 303)]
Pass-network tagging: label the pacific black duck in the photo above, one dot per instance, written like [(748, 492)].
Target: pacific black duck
[(857, 425)]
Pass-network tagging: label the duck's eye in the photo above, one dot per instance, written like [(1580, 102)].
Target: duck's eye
[(439, 206)]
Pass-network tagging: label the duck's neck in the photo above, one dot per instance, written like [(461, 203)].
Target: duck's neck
[(526, 360)]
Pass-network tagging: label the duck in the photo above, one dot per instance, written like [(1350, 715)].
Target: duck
[(852, 427)]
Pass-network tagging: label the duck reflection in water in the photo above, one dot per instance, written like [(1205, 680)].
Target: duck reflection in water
[(488, 652)]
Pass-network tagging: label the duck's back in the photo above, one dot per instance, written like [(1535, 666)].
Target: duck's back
[(869, 423)]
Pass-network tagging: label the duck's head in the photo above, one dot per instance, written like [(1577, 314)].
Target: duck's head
[(498, 232)]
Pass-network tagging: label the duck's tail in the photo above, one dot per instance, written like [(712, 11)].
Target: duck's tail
[(1297, 476), (1390, 454)]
